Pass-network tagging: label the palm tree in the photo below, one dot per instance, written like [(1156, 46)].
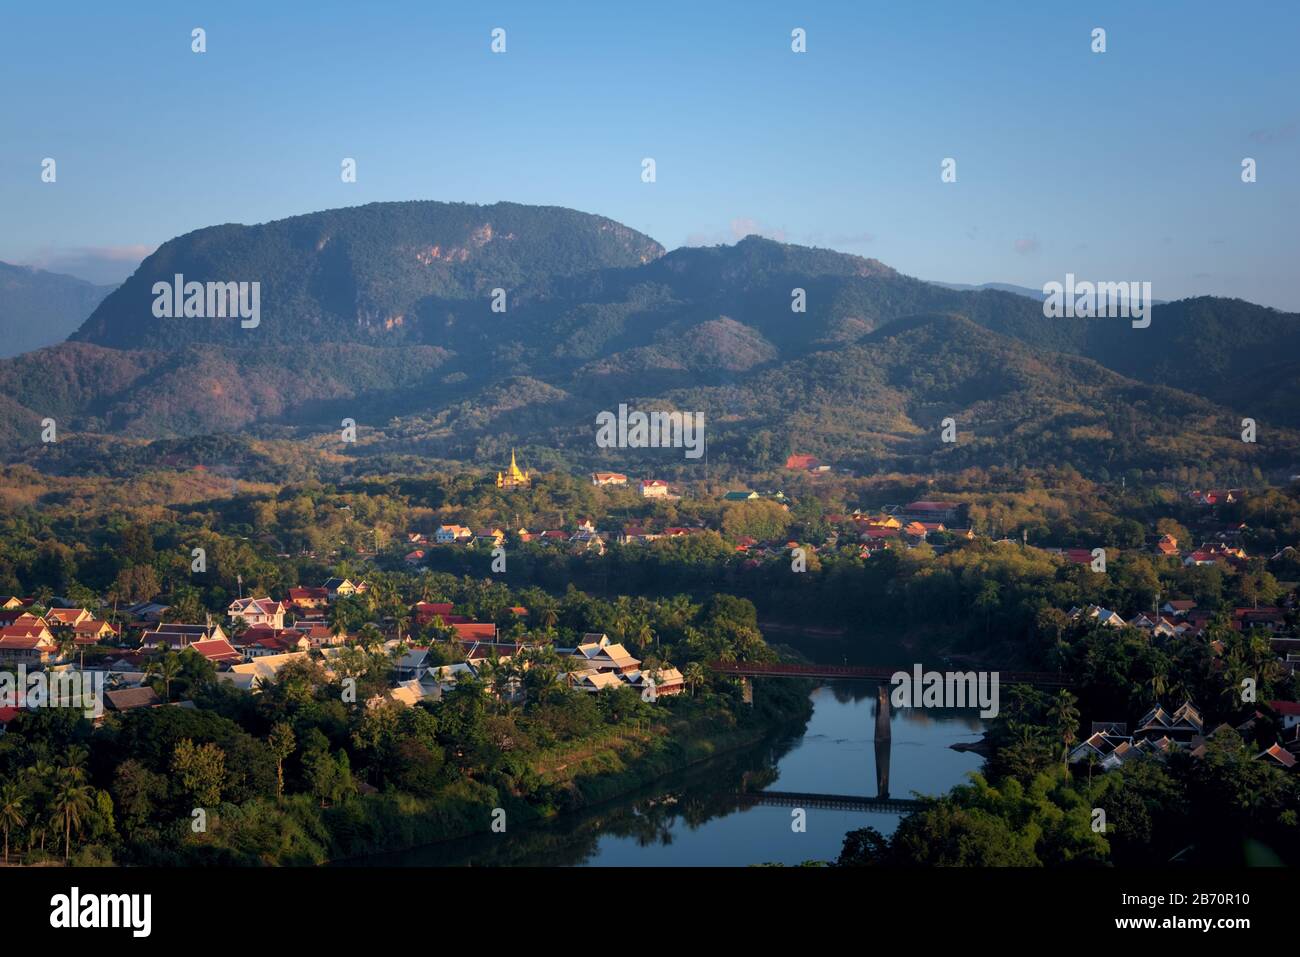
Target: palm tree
[(75, 757), (39, 777), (1092, 763), (65, 642), (11, 811), (70, 802), (167, 668), (694, 675), (1158, 685), (369, 636), (1066, 717), (548, 615), (338, 620)]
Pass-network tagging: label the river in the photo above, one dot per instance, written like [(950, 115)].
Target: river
[(695, 819)]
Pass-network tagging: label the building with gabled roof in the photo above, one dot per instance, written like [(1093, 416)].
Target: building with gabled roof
[(593, 681), (1182, 725), (1279, 756), (26, 643), (249, 675), (218, 651), (257, 611), (174, 636), (653, 488), (130, 699), (598, 652)]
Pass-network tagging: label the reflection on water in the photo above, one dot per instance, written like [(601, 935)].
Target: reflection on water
[(851, 746)]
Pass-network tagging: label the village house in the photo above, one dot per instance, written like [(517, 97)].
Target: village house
[(451, 534), (1167, 546), (414, 558), (318, 633), (471, 631), (654, 488), (282, 642), (1221, 496), (146, 611), (801, 463), (308, 601), (1181, 726), (257, 612), (94, 632), (251, 675), (608, 478), (19, 616), (1098, 746), (1288, 712), (1278, 756), (343, 587), (1158, 626), (59, 618), (914, 533), (1105, 616), (597, 652), (218, 651), (411, 665), (945, 512), (131, 699), (593, 681), (261, 640), (1269, 617), (425, 612), (666, 681), (175, 636), (26, 643)]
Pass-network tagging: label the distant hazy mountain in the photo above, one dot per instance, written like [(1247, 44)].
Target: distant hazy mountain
[(999, 286), (39, 308), (383, 313)]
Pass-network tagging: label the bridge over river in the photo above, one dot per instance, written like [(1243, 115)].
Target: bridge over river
[(763, 669), (748, 670), (832, 802)]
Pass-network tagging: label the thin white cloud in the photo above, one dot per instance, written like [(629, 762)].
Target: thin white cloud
[(97, 264)]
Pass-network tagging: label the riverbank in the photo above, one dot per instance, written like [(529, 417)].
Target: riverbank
[(595, 772), (542, 786)]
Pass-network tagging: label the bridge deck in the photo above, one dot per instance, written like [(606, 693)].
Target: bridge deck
[(760, 669), (833, 802)]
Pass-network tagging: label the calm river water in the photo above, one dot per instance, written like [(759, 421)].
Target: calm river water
[(694, 818)]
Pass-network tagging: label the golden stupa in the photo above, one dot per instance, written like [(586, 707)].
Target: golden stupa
[(515, 478)]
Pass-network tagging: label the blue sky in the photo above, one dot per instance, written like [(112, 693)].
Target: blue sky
[(1122, 165)]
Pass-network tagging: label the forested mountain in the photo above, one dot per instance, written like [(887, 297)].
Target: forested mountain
[(362, 273), (39, 308), (382, 313)]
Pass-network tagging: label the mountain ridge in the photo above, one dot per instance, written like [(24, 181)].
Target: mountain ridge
[(382, 312)]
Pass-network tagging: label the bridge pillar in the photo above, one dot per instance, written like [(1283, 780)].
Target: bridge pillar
[(747, 690), (884, 742)]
